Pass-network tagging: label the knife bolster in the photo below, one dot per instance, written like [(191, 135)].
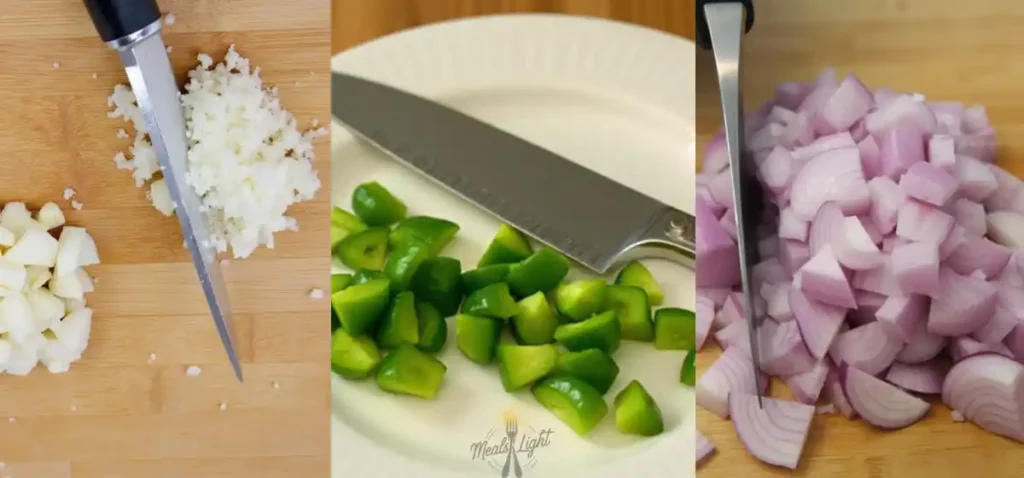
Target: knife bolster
[(671, 236), (121, 23)]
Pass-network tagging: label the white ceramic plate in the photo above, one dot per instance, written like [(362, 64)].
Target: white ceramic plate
[(613, 97)]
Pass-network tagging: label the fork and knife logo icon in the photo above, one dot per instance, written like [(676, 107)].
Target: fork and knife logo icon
[(511, 430)]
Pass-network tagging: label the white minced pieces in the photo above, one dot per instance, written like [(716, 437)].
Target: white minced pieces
[(316, 294), (43, 315), (69, 193), (169, 19), (247, 159), (193, 371)]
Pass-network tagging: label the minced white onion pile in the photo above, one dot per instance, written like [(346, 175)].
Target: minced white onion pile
[(247, 158), (43, 283), (891, 267)]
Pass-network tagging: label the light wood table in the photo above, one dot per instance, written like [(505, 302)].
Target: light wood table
[(114, 415), (947, 50)]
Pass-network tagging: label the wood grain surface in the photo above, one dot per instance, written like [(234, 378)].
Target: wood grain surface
[(358, 21), (949, 52), (114, 415)]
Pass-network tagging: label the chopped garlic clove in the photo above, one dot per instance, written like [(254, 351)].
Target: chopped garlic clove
[(34, 248), (50, 216)]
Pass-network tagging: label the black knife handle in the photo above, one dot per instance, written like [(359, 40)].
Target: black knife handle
[(115, 19), (703, 35)]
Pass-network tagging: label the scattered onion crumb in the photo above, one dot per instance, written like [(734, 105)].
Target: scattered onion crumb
[(193, 371), (121, 133), (56, 64), (94, 76), (11, 420), (223, 406), (169, 48), (74, 408), (76, 205), (169, 19), (957, 416), (297, 83), (826, 409), (316, 294), (275, 385), (152, 357), (315, 122), (69, 193)]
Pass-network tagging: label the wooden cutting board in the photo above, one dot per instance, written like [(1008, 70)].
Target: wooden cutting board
[(114, 414), (949, 51)]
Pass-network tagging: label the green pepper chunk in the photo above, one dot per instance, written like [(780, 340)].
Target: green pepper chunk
[(434, 232), (573, 401), (601, 331), (359, 307), (493, 301), (634, 311), (477, 337), (508, 246), (340, 281), (675, 329), (541, 272), (400, 325), (521, 365), (535, 321), (409, 371), (433, 328), (593, 366), (364, 250), (580, 299), (636, 275), (376, 206), (335, 321), (345, 220), (363, 276), (353, 357), (438, 281), (403, 263), (636, 412), (484, 276), (688, 375)]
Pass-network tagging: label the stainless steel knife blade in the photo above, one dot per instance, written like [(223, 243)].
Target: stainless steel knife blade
[(726, 26), (152, 80), (586, 216)]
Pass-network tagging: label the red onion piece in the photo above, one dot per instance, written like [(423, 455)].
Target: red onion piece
[(887, 201), (822, 279), (868, 304), (928, 184), (964, 304), (774, 434), (836, 395), (770, 270), (879, 403), (768, 246), (717, 256), (903, 111), (924, 223), (902, 146), (977, 182), (1008, 187), (778, 304), (1006, 228), (765, 138), (970, 215), (732, 373), (870, 157), (915, 267), (782, 350), (734, 335), (791, 226), (728, 222), (988, 390), (850, 102), (879, 280), (720, 188), (834, 175), (791, 94), (819, 322), (793, 254), (704, 449), (705, 315), (957, 236), (900, 317), (807, 386), (942, 152), (716, 156), (923, 346), (717, 295), (997, 328), (979, 253), (871, 229), (731, 312), (854, 248), (1014, 341), (868, 347), (821, 145), (924, 377), (776, 170), (827, 224), (963, 347)]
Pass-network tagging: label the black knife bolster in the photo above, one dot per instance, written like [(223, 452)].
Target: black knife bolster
[(115, 19)]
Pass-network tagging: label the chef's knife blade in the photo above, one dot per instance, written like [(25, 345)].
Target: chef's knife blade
[(132, 27), (586, 216), (725, 23)]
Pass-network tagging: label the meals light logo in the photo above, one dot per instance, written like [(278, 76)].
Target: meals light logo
[(512, 445)]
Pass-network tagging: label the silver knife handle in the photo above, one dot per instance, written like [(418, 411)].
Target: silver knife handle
[(671, 236)]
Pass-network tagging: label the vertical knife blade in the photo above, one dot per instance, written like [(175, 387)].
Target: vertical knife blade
[(152, 80), (583, 214)]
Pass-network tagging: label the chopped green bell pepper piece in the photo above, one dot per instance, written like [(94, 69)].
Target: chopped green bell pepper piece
[(593, 366), (433, 328), (340, 281), (400, 325), (636, 275), (403, 263), (335, 321), (337, 234), (535, 321), (353, 357), (675, 329), (521, 365), (477, 337), (343, 219), (688, 375), (364, 250), (409, 371), (366, 275), (438, 281), (508, 246), (484, 276), (634, 311), (636, 412), (376, 206), (601, 331), (581, 299), (434, 232), (493, 301), (540, 272), (359, 307), (573, 401)]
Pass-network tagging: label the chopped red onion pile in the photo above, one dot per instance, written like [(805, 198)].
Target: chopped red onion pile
[(892, 249)]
